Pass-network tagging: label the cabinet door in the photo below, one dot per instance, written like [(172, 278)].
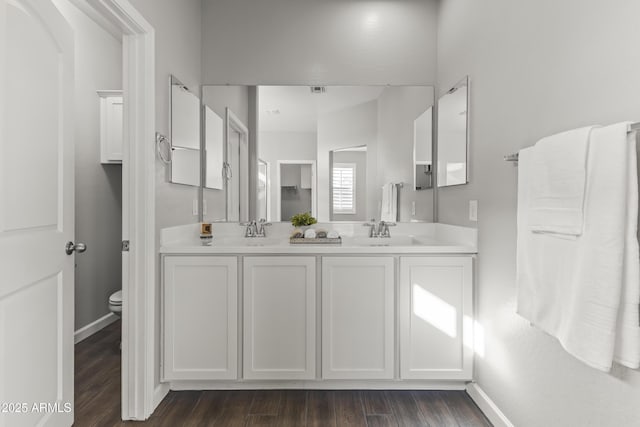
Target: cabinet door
[(279, 317), (357, 317), (436, 318), (111, 131), (200, 317)]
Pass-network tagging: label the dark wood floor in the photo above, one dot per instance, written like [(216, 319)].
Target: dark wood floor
[(97, 401)]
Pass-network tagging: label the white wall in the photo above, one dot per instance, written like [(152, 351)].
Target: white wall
[(276, 146), (398, 107), (536, 68), (309, 41), (98, 204), (177, 27), (351, 127)]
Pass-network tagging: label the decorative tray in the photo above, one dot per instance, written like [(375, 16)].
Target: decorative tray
[(315, 241)]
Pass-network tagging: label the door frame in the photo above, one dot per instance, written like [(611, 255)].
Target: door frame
[(233, 123), (120, 18), (267, 188), (279, 189)]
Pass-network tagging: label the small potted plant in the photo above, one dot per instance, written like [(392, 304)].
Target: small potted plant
[(303, 220)]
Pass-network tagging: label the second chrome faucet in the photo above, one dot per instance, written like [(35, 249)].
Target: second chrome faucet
[(380, 229), (255, 229)]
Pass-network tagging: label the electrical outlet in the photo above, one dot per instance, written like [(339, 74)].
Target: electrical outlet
[(195, 207), (473, 210)]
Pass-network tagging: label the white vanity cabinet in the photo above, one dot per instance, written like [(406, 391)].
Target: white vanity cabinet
[(436, 317), (111, 131), (358, 317), (279, 317), (200, 318)]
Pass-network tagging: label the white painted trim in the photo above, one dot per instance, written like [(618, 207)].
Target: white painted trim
[(316, 385), (98, 18), (93, 327), (138, 225), (267, 189), (233, 122), (314, 212), (487, 406), (160, 393)]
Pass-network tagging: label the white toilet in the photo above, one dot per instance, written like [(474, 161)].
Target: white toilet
[(115, 303)]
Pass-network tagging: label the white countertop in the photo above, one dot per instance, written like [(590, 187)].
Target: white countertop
[(420, 238)]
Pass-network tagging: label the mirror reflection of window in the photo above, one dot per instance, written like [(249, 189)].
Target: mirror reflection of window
[(348, 184), (344, 188)]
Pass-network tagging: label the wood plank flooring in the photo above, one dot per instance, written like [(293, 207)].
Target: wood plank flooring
[(97, 401)]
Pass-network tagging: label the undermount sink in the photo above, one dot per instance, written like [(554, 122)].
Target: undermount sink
[(384, 241), (246, 241)]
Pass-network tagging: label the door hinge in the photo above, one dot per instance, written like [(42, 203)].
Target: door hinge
[(125, 246)]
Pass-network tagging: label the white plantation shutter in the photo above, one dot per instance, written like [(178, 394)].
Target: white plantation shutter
[(344, 188)]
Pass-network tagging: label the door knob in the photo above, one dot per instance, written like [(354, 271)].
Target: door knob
[(70, 248)]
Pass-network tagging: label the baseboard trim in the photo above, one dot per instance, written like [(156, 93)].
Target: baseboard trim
[(158, 394), (93, 327), (487, 406), (314, 385)]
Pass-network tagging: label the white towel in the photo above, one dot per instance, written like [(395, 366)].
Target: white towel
[(389, 203), (559, 163), (585, 291), (627, 351)]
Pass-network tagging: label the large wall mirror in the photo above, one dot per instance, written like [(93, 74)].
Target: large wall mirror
[(453, 135), (343, 153), (185, 135)]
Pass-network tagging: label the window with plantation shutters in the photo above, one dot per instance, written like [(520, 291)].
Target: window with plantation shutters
[(344, 188)]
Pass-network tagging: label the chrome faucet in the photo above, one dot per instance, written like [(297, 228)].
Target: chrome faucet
[(250, 230), (255, 229), (373, 227), (383, 228), (380, 229), (260, 228)]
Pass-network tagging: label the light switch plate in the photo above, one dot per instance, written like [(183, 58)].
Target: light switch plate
[(473, 210)]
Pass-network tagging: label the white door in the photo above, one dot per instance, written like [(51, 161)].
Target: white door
[(279, 318), (36, 215), (357, 317)]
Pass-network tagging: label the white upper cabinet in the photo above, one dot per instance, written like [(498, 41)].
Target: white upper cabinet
[(357, 317), (436, 317), (111, 131), (279, 317)]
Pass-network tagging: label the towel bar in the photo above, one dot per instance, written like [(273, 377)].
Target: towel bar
[(514, 157)]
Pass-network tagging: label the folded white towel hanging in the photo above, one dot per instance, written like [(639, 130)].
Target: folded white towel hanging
[(585, 291), (559, 165), (389, 202)]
